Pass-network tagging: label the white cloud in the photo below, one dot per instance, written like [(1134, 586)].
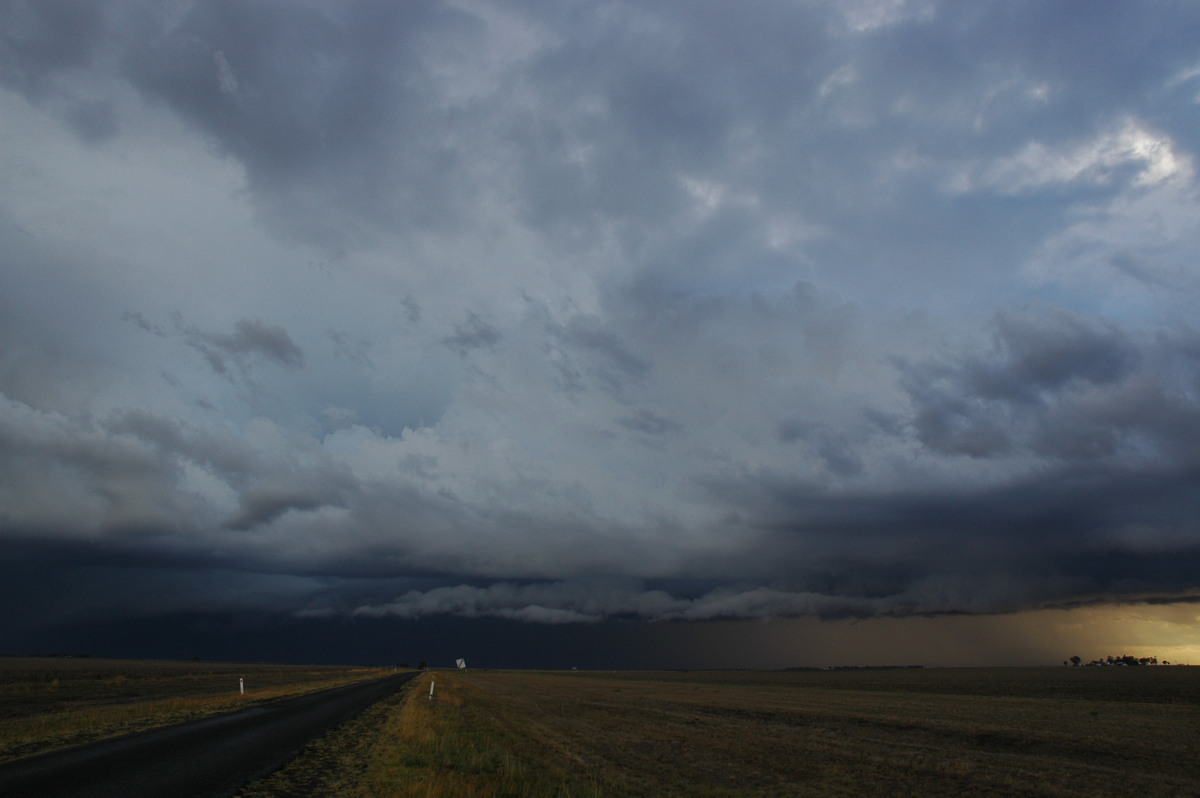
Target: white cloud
[(225, 77), (1038, 167), (864, 16)]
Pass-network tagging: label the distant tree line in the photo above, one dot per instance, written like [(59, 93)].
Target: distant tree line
[(1123, 661)]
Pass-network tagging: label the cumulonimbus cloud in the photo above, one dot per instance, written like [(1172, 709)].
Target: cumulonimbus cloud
[(736, 306)]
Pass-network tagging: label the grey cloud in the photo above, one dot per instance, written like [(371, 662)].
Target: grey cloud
[(550, 602), (594, 601), (790, 431), (233, 459), (310, 99), (474, 333), (785, 341), (665, 105), (1054, 383), (267, 485), (227, 81), (590, 334), (94, 120), (262, 506), (250, 338), (1145, 271), (835, 450), (411, 309), (648, 422), (1037, 541), (1045, 351), (133, 317), (948, 425), (840, 458), (590, 354), (136, 486), (69, 474), (253, 337), (44, 39), (354, 351)]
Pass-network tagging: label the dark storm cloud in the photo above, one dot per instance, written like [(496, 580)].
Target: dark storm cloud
[(1051, 541), (1044, 352), (1061, 387), (648, 311)]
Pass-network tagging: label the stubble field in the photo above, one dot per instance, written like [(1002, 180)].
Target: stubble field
[(1040, 731), (1018, 732)]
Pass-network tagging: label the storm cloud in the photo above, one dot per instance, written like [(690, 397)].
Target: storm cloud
[(567, 313)]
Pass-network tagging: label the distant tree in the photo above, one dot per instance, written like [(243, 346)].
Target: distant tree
[(1076, 660), (1124, 660)]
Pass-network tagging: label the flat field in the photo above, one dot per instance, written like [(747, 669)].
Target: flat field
[(48, 703), (1014, 732), (1005, 731)]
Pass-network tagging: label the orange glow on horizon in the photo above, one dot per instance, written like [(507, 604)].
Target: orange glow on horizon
[(1170, 632)]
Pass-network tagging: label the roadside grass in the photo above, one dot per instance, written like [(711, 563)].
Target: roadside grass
[(993, 732), (463, 742), (332, 765), (50, 703), (459, 744)]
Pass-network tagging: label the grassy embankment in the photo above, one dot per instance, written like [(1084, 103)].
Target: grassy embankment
[(52, 703), (1049, 732)]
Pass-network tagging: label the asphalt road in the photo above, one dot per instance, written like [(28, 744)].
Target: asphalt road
[(201, 759)]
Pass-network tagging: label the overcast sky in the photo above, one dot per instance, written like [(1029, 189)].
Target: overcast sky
[(569, 313)]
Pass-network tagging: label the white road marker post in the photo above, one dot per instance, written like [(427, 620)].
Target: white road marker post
[(241, 686), (431, 689)]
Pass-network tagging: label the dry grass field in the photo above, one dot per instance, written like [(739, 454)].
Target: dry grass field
[(54, 702), (1016, 732)]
